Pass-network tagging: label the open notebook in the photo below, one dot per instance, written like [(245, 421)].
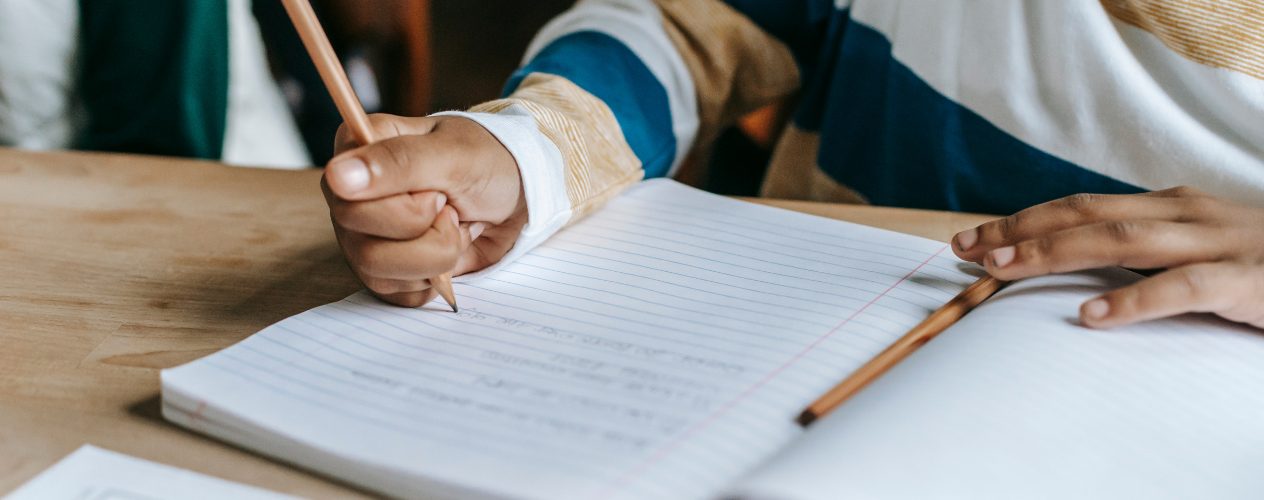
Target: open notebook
[(661, 348)]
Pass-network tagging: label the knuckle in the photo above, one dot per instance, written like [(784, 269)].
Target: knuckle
[(1085, 205), (385, 126), (398, 154), (1195, 284), (368, 262), (1184, 192), (1125, 232), (1034, 250), (1006, 227)]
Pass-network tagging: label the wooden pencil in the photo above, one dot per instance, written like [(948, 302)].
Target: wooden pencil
[(922, 333), (335, 78)]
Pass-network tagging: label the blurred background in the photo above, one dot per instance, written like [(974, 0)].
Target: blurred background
[(415, 57), (230, 80), (404, 57)]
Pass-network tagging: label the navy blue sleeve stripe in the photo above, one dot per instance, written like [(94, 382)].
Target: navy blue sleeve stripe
[(609, 70), (889, 135)]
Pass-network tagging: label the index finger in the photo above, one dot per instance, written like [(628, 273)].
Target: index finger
[(1058, 215), (435, 252)]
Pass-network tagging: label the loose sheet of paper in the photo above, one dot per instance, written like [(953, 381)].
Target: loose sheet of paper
[(91, 473), (1018, 401), (658, 349)]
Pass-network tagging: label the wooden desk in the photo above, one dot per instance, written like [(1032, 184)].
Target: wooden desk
[(113, 267)]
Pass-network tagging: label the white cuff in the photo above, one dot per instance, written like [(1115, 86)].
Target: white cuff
[(543, 179)]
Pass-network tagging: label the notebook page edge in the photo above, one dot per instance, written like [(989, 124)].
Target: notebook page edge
[(178, 408)]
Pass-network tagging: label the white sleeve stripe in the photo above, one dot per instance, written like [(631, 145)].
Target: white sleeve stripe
[(637, 24)]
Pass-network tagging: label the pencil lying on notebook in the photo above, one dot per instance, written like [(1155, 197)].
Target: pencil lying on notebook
[(335, 79), (922, 333)]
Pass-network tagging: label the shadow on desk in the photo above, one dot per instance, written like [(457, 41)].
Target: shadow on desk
[(216, 304)]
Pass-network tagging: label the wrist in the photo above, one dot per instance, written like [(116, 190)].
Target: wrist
[(543, 201)]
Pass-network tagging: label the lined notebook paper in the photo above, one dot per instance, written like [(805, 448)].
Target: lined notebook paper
[(658, 349), (1017, 401)]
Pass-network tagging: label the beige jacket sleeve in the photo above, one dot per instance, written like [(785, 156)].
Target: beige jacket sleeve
[(715, 64)]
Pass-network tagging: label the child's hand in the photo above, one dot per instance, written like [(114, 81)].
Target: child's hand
[(1212, 248), (432, 195)]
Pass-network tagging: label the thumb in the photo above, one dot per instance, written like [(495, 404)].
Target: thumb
[(400, 163)]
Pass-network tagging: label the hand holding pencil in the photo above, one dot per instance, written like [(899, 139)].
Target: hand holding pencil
[(413, 200)]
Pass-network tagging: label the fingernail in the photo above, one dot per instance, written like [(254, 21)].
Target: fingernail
[(1002, 256), (440, 201), (352, 173), (967, 239), (456, 221), (476, 229), (1096, 308)]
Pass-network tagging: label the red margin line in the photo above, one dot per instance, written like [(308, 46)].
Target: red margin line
[(670, 447), (195, 418)]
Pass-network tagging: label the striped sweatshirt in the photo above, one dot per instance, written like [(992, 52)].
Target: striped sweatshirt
[(972, 105)]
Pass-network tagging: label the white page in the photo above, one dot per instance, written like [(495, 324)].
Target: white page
[(91, 473), (658, 349), (1017, 401)]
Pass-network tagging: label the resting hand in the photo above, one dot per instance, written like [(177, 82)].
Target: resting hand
[(1212, 250), (432, 195)]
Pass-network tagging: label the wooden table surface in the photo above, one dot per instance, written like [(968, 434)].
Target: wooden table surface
[(113, 267)]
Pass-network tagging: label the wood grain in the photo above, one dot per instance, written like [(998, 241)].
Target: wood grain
[(113, 267)]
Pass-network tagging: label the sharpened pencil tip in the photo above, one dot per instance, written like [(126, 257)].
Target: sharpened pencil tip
[(454, 309), (806, 418)]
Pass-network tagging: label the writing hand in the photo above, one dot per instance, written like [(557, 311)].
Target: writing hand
[(432, 195), (1212, 250)]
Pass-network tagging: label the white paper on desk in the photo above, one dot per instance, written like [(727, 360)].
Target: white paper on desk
[(658, 349), (91, 473)]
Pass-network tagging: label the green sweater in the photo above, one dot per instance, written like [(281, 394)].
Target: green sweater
[(154, 76)]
